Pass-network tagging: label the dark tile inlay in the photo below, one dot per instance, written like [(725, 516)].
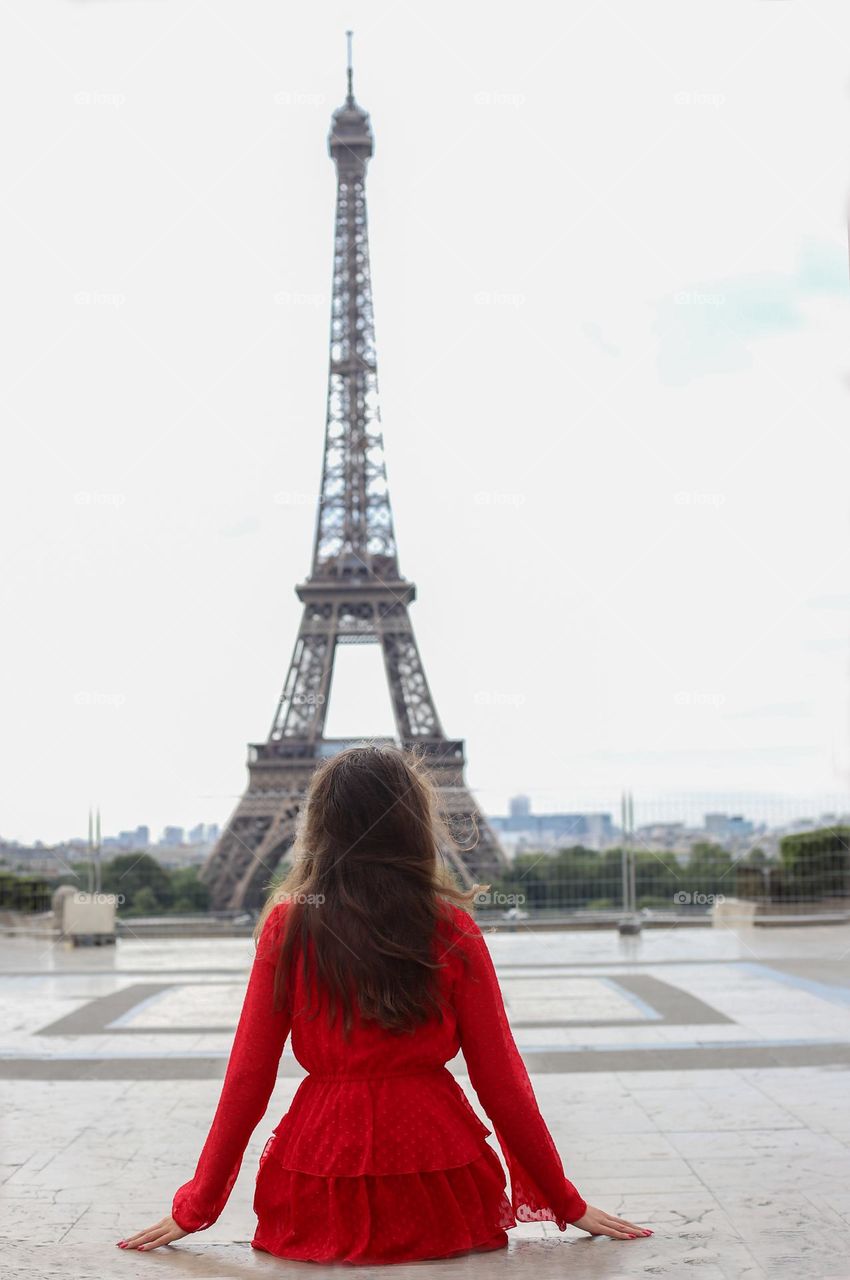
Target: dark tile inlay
[(728, 1057), (676, 1008)]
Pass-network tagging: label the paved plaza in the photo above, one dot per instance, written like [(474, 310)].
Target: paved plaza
[(695, 1080)]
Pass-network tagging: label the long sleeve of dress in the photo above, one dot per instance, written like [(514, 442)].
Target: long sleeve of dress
[(248, 1084), (539, 1188)]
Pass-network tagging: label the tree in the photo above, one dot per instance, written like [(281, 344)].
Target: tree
[(129, 874), (144, 902), (190, 893), (816, 864)]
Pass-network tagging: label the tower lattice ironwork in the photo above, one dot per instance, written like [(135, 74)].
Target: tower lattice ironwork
[(355, 592)]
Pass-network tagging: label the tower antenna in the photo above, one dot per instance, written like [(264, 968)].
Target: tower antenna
[(349, 35)]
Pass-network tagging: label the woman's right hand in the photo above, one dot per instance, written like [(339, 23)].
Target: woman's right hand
[(599, 1223)]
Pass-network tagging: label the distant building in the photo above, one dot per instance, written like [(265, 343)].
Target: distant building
[(177, 849), (180, 855), (130, 840), (204, 833), (41, 859), (673, 836), (723, 827), (525, 829)]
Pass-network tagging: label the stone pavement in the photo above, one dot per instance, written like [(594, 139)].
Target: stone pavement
[(695, 1080)]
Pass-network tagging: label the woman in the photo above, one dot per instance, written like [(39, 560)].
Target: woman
[(366, 958)]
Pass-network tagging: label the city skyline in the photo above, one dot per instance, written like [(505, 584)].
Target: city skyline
[(694, 816), (140, 836)]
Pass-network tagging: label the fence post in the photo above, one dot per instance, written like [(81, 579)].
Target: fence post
[(629, 922), (624, 855)]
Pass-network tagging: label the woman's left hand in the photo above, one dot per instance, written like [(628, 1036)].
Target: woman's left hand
[(164, 1232)]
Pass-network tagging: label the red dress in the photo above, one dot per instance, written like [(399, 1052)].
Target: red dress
[(380, 1158)]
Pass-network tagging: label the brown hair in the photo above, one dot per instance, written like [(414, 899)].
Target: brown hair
[(368, 887)]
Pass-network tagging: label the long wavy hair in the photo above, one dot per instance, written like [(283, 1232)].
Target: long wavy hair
[(368, 887)]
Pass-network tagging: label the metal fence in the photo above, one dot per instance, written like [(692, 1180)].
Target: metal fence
[(680, 855)]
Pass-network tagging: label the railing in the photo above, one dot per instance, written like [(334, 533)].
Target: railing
[(667, 862), (681, 856), (30, 894)]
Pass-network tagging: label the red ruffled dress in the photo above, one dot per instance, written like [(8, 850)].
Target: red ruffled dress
[(381, 1158)]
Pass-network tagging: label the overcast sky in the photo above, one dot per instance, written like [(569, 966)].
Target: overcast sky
[(610, 271)]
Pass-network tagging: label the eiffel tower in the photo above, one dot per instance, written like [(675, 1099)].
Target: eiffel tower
[(355, 593)]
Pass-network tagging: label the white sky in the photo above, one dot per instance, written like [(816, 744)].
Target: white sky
[(609, 262)]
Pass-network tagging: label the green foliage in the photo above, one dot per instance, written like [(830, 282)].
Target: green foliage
[(190, 892), (570, 878), (144, 903), (141, 883), (708, 861), (24, 893), (144, 887), (579, 878), (815, 864), (812, 866)]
